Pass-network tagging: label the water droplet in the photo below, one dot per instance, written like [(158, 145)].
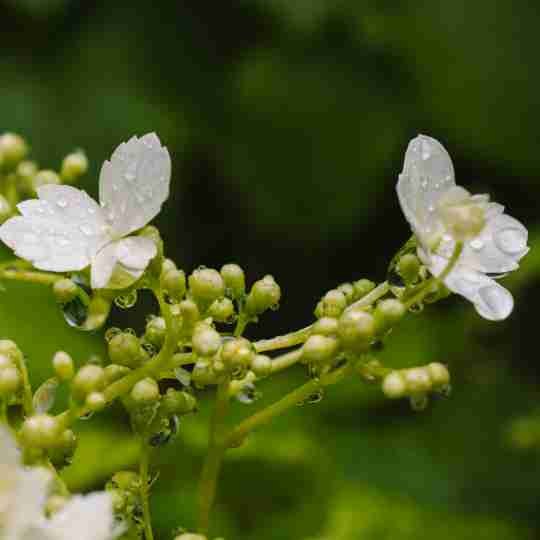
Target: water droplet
[(511, 240), (62, 203), (149, 348), (425, 150), (316, 397), (126, 301), (437, 185), (445, 390), (248, 394), (87, 230), (91, 210), (130, 331), (111, 333), (477, 244), (129, 176), (76, 311), (239, 372), (419, 402)]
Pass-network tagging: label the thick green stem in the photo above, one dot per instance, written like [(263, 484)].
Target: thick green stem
[(42, 278), (144, 465)]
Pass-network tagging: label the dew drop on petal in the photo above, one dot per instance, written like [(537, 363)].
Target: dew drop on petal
[(477, 244), (76, 311), (62, 203), (87, 230), (495, 302), (510, 240)]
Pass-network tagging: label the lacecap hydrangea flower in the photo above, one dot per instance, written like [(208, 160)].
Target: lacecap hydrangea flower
[(66, 230), (23, 494), (441, 214)]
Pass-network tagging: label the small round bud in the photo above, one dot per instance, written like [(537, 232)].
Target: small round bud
[(125, 350), (202, 373), (325, 326), (362, 287), (145, 391), (408, 267), (168, 264), (417, 380), (10, 381), (65, 290), (190, 536), (5, 209), (63, 365), (222, 310), (113, 372), (237, 353), (173, 282), (264, 294), (394, 386), (206, 284), (438, 373), (387, 314), (205, 341), (41, 431), (175, 402), (261, 365), (26, 170), (319, 349), (6, 361), (155, 331), (13, 148), (356, 329), (45, 177), (73, 166), (348, 290), (332, 304), (10, 349), (127, 481), (234, 279), (89, 378), (95, 401)]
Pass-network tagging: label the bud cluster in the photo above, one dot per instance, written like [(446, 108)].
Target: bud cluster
[(10, 374)]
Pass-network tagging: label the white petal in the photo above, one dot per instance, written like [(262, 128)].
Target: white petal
[(103, 265), (135, 183), (136, 252), (60, 232), (491, 300), (427, 174)]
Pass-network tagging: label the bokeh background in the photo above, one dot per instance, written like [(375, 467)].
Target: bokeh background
[(287, 121)]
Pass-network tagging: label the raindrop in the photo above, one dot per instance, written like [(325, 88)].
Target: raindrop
[(416, 308), (419, 402), (76, 311), (431, 208), (62, 203), (126, 301), (111, 333), (91, 210), (511, 240), (239, 372), (476, 244), (248, 394), (87, 230), (316, 397), (130, 331)]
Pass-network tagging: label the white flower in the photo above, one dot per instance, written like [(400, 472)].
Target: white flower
[(441, 213), (66, 230)]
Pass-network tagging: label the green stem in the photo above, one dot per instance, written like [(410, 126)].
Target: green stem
[(214, 457), (27, 397), (144, 465), (42, 278), (379, 291), (284, 361), (62, 487)]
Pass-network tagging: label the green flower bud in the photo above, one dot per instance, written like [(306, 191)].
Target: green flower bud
[(113, 372), (205, 341), (168, 264), (356, 329), (408, 267), (45, 177), (55, 503), (222, 310), (438, 373), (394, 385), (190, 536), (127, 481), (125, 350), (237, 353), (10, 381), (6, 361), (65, 290), (63, 365), (155, 331), (205, 285), (73, 166), (10, 349), (177, 402), (189, 312), (325, 326), (89, 378), (332, 304), (348, 290), (26, 170), (95, 401), (5, 209), (417, 380), (202, 373), (13, 149), (264, 294), (387, 314), (234, 279), (145, 391), (41, 431), (319, 349), (173, 282), (362, 287), (64, 449), (261, 365)]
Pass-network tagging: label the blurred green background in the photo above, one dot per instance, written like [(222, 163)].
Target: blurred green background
[(287, 121)]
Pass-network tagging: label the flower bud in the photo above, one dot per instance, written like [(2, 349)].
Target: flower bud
[(6, 361), (332, 304), (177, 402), (73, 166), (26, 170), (222, 310), (89, 378), (319, 349), (205, 285), (261, 365), (190, 536), (417, 380), (237, 354), (10, 381), (40, 431), (348, 290), (189, 312), (168, 264), (264, 294), (65, 290), (13, 149), (10, 349), (95, 401), (145, 391), (438, 373), (202, 373), (5, 209), (234, 279), (387, 314), (127, 481), (362, 287), (408, 267), (173, 282), (155, 331), (356, 329), (55, 503), (125, 350), (394, 385), (45, 177), (325, 326), (205, 341), (113, 372), (63, 365)]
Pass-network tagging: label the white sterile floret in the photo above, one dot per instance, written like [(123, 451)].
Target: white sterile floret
[(66, 230), (441, 213)]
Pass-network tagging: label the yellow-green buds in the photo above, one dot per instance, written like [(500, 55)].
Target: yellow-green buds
[(236, 355), (261, 365), (5, 209), (73, 166), (202, 373), (394, 385), (348, 290), (125, 350), (64, 290), (41, 431), (95, 401), (356, 329), (417, 381), (177, 402), (387, 314), (113, 372), (11, 350), (332, 304), (206, 285), (155, 331), (325, 326), (362, 287), (408, 267), (319, 349), (13, 149), (89, 378), (63, 365), (173, 282), (10, 380), (234, 279), (205, 341), (222, 310), (265, 294), (145, 391), (439, 374), (190, 536), (55, 503), (45, 177)]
